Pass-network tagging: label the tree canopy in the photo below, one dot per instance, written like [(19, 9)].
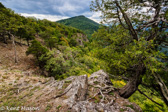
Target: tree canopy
[(132, 47)]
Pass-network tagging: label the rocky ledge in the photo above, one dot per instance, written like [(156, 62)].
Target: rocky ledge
[(74, 94)]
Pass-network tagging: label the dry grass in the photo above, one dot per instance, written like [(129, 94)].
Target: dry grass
[(25, 63)]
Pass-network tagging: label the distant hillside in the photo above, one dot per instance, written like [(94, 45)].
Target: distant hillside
[(52, 34), (82, 23)]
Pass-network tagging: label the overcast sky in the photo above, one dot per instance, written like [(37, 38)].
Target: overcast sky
[(52, 9)]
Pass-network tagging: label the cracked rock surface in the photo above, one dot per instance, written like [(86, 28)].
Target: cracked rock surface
[(74, 94)]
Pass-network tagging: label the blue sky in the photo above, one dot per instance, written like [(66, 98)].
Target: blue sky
[(52, 9)]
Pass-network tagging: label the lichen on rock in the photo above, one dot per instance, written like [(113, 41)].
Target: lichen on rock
[(74, 94)]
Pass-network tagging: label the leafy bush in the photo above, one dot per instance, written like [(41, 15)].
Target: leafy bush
[(36, 49), (118, 83)]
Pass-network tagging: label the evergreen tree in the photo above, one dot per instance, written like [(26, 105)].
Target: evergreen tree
[(137, 55)]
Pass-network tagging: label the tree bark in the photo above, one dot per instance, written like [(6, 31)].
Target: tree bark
[(133, 83), (9, 36), (5, 40), (128, 22), (162, 87), (14, 46), (130, 87)]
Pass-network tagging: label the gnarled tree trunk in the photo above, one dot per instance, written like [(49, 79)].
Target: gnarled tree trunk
[(133, 83)]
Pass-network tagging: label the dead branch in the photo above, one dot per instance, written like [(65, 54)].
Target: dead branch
[(102, 95)]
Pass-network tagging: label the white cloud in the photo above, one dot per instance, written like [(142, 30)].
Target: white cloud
[(95, 16), (53, 7), (43, 16), (52, 10)]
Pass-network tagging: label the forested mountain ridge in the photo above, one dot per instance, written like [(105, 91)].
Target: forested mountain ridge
[(52, 44), (81, 22), (28, 28)]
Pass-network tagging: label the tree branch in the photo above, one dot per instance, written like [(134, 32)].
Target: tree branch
[(128, 22), (149, 98), (163, 87), (120, 19), (156, 19)]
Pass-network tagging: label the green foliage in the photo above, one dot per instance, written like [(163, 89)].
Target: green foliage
[(2, 6), (59, 107), (146, 104), (36, 49), (118, 83), (136, 54), (48, 108), (50, 35), (73, 42), (122, 54), (52, 42), (30, 28), (69, 61)]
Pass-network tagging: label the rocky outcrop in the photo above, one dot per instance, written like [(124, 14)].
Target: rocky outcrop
[(74, 94), (80, 39)]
